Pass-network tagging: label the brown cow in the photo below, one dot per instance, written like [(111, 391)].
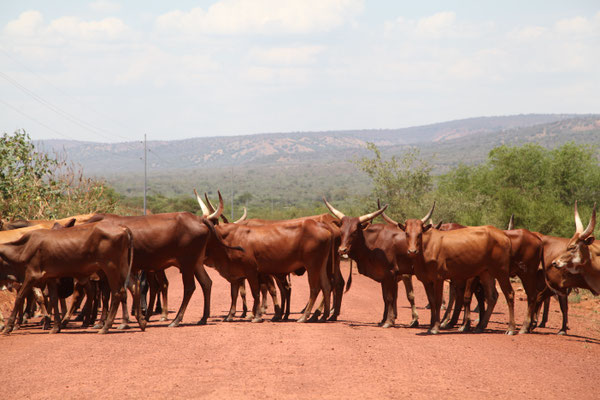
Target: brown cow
[(276, 249), (174, 239), (459, 255), (380, 253), (44, 223), (42, 255), (579, 264)]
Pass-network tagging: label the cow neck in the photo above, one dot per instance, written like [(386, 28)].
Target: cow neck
[(422, 258), (591, 273), (10, 254), (359, 251), (224, 230)]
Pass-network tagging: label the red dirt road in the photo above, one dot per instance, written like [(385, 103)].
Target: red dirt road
[(352, 358)]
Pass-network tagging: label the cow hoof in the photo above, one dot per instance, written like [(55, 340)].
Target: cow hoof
[(433, 331), (510, 332), (103, 331), (257, 320), (478, 330), (85, 326), (387, 325), (123, 327), (542, 325), (98, 326), (16, 327), (276, 318), (174, 324), (143, 327), (562, 333), (333, 318), (228, 319), (414, 323), (54, 330), (201, 322), (302, 319), (162, 319), (244, 314), (524, 331)]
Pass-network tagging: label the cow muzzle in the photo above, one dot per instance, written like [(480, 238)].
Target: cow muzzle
[(413, 252), (343, 251)]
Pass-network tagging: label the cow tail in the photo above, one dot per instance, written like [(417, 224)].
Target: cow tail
[(129, 255), (349, 283), (212, 229)]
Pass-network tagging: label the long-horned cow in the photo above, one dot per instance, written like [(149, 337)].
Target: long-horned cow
[(380, 253)]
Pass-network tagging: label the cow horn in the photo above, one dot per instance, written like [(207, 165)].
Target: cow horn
[(578, 223), (205, 210), (385, 217), (591, 225), (511, 223), (219, 211), (335, 212), (429, 214), (439, 225), (364, 218), (211, 208), (243, 218)]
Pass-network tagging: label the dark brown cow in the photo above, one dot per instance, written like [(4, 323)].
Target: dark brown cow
[(380, 253), (174, 239), (43, 255), (459, 255), (579, 264), (276, 249)]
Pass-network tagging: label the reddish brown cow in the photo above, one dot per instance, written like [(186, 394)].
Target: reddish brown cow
[(41, 256), (44, 223), (459, 255), (276, 249), (579, 264), (174, 239), (380, 253)]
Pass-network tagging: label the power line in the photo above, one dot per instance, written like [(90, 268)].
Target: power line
[(69, 95), (52, 107)]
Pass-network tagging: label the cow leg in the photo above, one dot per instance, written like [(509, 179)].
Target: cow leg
[(206, 285), (96, 295), (125, 314), (105, 295), (464, 291), (509, 295), (137, 303), (326, 290), (235, 288), (313, 282), (63, 307), (273, 292), (564, 308), (338, 289), (44, 305), (389, 286), (410, 295), (254, 283), (545, 312), (53, 294), (75, 303), (451, 298), (284, 288), (431, 297), (385, 306), (437, 295), (243, 296), (187, 276), (263, 296), (23, 291), (488, 285), (163, 284), (143, 291), (528, 279), (153, 285)]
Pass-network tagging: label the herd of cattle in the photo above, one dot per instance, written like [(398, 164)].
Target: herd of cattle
[(100, 256)]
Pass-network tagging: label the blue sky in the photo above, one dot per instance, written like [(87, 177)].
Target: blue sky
[(112, 71)]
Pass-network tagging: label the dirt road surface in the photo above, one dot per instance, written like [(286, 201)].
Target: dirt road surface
[(351, 358)]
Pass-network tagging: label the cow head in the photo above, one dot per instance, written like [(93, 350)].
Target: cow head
[(577, 259), (351, 227), (414, 229)]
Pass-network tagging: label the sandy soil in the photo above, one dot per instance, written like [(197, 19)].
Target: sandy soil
[(351, 358)]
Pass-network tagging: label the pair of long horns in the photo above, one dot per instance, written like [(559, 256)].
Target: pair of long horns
[(210, 209), (423, 220), (362, 219), (583, 234)]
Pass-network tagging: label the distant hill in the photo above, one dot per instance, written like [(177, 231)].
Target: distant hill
[(310, 164)]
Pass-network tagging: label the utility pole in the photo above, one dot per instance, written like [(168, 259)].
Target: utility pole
[(145, 172), (232, 194)]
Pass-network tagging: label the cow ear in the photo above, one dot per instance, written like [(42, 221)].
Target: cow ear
[(427, 227), (403, 227), (589, 240)]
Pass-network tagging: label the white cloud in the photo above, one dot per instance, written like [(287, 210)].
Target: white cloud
[(576, 25), (105, 6), (28, 24), (262, 17), (300, 55), (107, 28), (437, 25)]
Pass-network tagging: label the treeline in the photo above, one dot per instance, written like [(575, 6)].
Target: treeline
[(34, 185), (538, 185)]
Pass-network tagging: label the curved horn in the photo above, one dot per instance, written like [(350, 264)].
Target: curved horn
[(368, 217), (511, 223), (335, 212), (243, 216), (429, 214), (219, 211), (578, 223), (211, 208), (203, 207), (385, 217), (591, 225), (439, 225)]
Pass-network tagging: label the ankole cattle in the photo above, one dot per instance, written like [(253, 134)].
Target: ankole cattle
[(41, 256), (43, 223), (175, 239), (579, 264), (331, 223), (379, 251), (459, 255)]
